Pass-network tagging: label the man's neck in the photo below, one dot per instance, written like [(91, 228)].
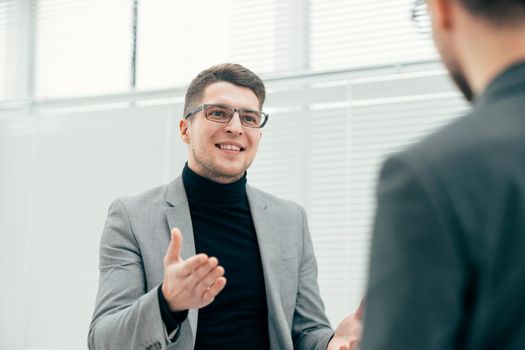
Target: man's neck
[(490, 55), (203, 190)]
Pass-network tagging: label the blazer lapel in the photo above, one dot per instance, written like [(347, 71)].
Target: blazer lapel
[(179, 216), (269, 246)]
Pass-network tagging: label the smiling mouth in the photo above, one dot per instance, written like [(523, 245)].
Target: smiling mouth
[(230, 147)]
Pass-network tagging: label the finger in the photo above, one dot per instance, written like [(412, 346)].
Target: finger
[(173, 252), (209, 280), (191, 264), (202, 271), (360, 310), (217, 287)]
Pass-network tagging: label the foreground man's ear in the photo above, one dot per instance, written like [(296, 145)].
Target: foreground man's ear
[(441, 13)]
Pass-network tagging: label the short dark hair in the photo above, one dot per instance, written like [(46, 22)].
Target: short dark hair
[(228, 72), (497, 11)]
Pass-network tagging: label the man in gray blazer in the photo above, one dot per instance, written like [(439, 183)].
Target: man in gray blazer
[(447, 266), (207, 261)]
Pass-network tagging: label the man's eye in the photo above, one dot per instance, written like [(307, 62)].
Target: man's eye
[(218, 113), (250, 118)]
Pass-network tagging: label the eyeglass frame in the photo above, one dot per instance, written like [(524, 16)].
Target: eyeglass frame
[(416, 15), (204, 106)]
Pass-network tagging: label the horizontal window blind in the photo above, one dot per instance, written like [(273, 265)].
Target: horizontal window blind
[(177, 39), (82, 47), (13, 46), (363, 33)]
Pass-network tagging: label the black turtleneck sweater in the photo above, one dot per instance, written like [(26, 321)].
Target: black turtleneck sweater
[(223, 227)]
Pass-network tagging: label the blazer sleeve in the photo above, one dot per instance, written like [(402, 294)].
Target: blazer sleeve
[(311, 328), (417, 279), (127, 315)]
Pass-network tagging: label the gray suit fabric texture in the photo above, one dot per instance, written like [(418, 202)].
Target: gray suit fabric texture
[(447, 266), (132, 248)]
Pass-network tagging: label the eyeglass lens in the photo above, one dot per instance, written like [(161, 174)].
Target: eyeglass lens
[(223, 114)]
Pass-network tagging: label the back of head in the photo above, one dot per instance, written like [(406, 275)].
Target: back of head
[(498, 12), (227, 72)]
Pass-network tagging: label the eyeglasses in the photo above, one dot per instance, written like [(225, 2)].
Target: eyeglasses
[(223, 114), (420, 16)]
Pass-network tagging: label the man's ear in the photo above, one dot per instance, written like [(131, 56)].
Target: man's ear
[(184, 131), (441, 12)]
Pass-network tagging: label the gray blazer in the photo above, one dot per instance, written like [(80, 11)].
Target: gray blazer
[(132, 248)]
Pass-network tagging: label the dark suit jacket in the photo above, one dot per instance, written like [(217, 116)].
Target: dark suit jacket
[(448, 262)]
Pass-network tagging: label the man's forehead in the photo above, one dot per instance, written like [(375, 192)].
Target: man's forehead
[(223, 92)]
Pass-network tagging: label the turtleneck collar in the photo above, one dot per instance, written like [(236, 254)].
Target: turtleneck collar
[(202, 190)]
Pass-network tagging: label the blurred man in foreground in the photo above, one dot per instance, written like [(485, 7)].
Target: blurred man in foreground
[(447, 264)]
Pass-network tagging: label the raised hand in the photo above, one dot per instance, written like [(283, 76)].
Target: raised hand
[(190, 283), (348, 334)]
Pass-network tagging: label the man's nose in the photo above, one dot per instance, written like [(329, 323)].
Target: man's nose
[(234, 126)]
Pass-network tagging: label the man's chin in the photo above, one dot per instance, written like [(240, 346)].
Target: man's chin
[(234, 173), (230, 173), (463, 86)]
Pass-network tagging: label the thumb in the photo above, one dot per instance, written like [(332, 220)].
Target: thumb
[(173, 253)]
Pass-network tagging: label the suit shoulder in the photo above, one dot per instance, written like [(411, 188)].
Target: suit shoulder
[(478, 135), (152, 197), (273, 200), (443, 142)]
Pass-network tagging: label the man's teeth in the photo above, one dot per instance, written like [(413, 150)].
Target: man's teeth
[(230, 147)]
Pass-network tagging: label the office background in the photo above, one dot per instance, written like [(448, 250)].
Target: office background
[(90, 97)]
